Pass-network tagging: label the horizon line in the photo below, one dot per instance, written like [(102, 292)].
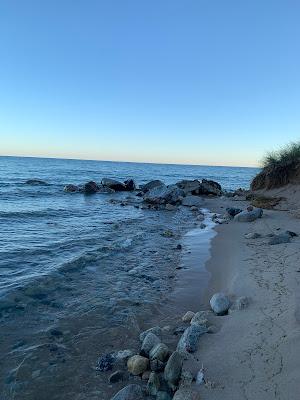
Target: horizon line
[(128, 162)]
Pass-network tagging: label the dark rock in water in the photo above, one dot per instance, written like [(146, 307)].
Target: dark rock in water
[(190, 338), (71, 188), (130, 392), (189, 186), (116, 377), (90, 187), (36, 182), (151, 185), (113, 184), (210, 187), (129, 185), (105, 189), (232, 212), (164, 194), (279, 239), (105, 362), (179, 247), (173, 369)]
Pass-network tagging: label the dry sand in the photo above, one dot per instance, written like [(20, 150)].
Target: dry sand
[(255, 352)]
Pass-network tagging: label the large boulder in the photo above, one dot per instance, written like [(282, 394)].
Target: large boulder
[(159, 352), (130, 185), (149, 342), (137, 364), (192, 201), (249, 216), (151, 185), (113, 184), (209, 187), (90, 187), (188, 342), (189, 186), (219, 303), (164, 194), (130, 392), (173, 369)]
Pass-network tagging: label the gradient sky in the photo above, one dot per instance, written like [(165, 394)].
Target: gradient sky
[(201, 82)]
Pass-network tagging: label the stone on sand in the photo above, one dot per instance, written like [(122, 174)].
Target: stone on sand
[(173, 369), (249, 216), (219, 303), (188, 342)]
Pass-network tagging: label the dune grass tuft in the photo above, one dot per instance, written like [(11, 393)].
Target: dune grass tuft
[(287, 155)]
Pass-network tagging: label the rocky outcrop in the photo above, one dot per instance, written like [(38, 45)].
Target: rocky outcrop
[(90, 187), (151, 185), (164, 194), (113, 184), (209, 187)]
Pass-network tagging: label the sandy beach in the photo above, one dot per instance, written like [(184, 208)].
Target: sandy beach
[(254, 352)]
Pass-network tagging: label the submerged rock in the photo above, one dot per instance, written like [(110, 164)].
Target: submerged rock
[(113, 184), (137, 364), (71, 188), (36, 182), (173, 369), (130, 392), (219, 303)]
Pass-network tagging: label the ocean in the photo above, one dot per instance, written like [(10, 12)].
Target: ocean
[(79, 274)]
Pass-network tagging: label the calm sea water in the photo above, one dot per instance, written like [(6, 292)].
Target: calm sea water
[(79, 275)]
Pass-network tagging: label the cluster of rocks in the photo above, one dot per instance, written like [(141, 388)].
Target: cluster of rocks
[(107, 185), (162, 368)]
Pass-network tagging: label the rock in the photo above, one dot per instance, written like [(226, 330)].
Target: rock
[(156, 330), (137, 364), (219, 303), (188, 342), (90, 187), (36, 182), (71, 188), (129, 185), (167, 233), (163, 396), (149, 342), (188, 316), (151, 185), (191, 200), (153, 384), (116, 377), (146, 375), (122, 355), (279, 239), (113, 184), (159, 352), (105, 189), (105, 362), (130, 392), (252, 235), (186, 394), (189, 186), (249, 216), (173, 369), (164, 194), (157, 365), (232, 212), (210, 187), (170, 207), (179, 247), (292, 234), (200, 380), (199, 319), (186, 377)]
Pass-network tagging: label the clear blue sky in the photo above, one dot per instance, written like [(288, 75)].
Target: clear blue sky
[(202, 81)]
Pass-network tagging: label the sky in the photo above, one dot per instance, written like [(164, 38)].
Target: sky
[(213, 82)]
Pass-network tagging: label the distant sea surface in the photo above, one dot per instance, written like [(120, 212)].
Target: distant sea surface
[(78, 272)]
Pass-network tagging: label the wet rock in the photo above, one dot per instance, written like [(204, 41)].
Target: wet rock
[(36, 182), (163, 396), (105, 189), (151, 185), (189, 186), (113, 184), (173, 369), (232, 212), (199, 318), (249, 216), (186, 394), (179, 330), (90, 187), (130, 392), (279, 239), (209, 187), (188, 316), (170, 207), (56, 332), (188, 342), (116, 377), (191, 200), (156, 365), (129, 185), (149, 342), (168, 233), (137, 364), (105, 362), (156, 330), (186, 377), (153, 384), (159, 352), (122, 355), (164, 194), (71, 188), (219, 303), (252, 235)]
